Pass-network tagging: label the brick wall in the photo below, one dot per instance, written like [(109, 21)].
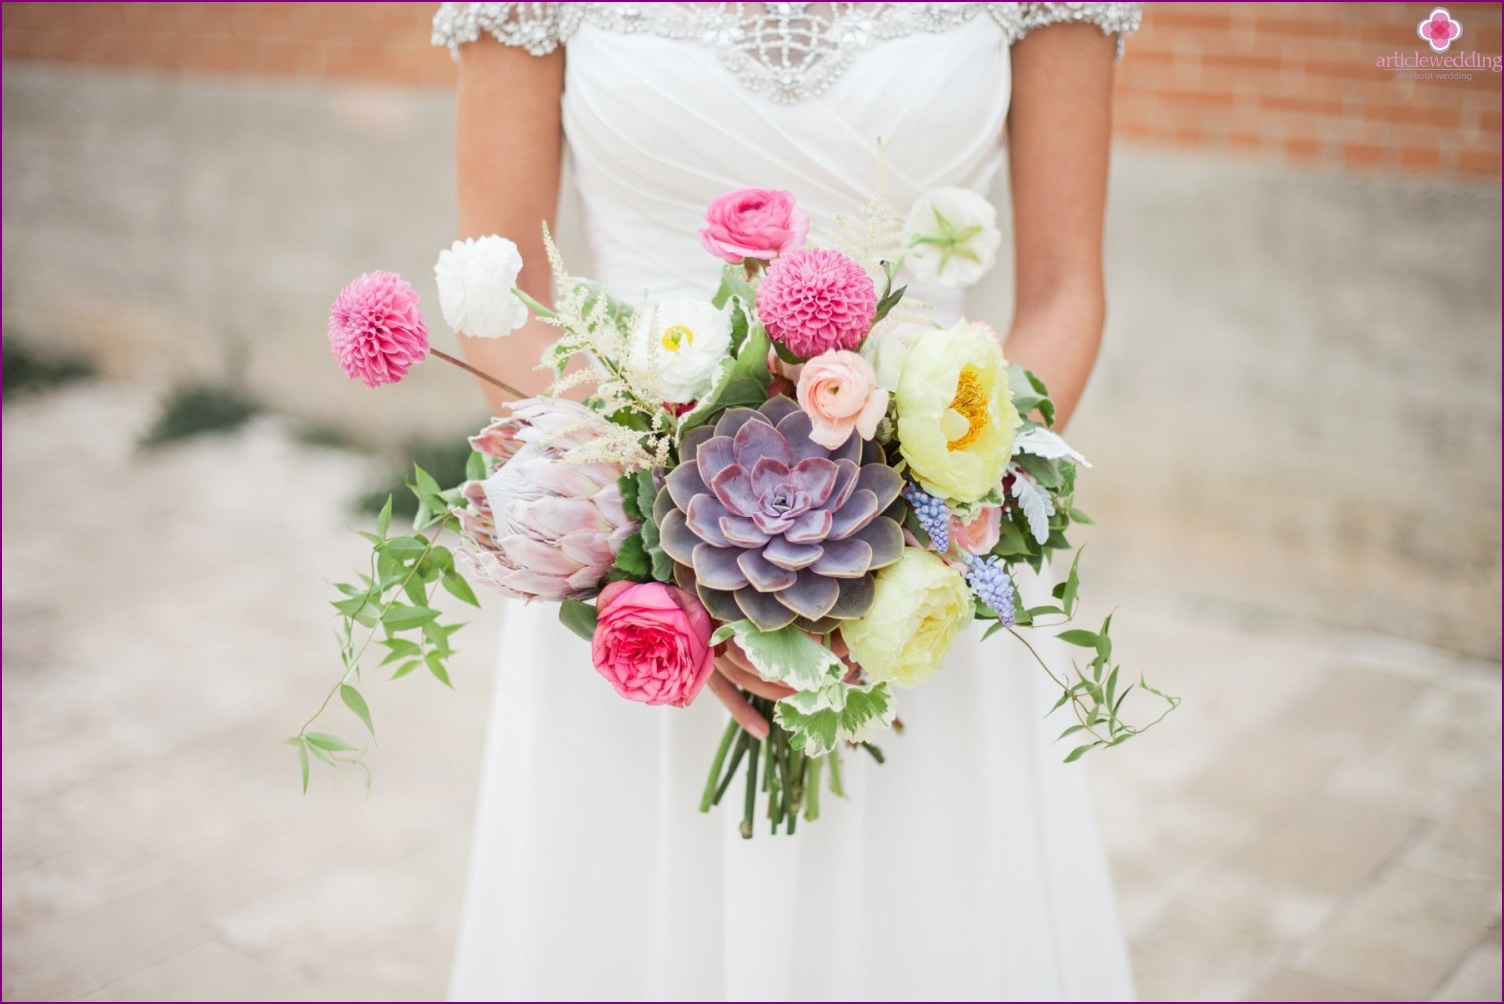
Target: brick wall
[(385, 42), (1284, 81), (1298, 81)]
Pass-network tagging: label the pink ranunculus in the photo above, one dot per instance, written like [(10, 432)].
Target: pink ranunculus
[(838, 391), (980, 535), (652, 642), (814, 300), (759, 223), (375, 330)]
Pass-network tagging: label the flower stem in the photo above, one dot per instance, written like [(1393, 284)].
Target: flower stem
[(812, 789), (482, 374), (1081, 716), (713, 781), (743, 743), (751, 803)]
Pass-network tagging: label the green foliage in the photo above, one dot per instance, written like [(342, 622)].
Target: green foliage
[(734, 284), (1046, 470), (390, 605), (1030, 395), (644, 559), (29, 372), (197, 410), (579, 618), (448, 460), (891, 296), (844, 712), (787, 656)]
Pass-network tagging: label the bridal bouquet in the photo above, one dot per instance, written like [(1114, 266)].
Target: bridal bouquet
[(802, 475)]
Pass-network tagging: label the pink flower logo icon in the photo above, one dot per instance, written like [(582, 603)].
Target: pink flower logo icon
[(1440, 29)]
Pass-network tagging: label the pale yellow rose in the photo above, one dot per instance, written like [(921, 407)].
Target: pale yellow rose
[(956, 418), (921, 603)]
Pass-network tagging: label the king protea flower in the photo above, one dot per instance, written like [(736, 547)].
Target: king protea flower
[(540, 527)]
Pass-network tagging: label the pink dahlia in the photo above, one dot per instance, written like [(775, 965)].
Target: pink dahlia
[(375, 329), (814, 300)]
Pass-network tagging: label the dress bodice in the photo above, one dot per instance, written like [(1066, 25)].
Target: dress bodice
[(666, 106)]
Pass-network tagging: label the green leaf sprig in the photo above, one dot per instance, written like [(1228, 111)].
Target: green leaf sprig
[(391, 605)]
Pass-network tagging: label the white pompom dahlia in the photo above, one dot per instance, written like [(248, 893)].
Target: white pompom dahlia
[(476, 278)]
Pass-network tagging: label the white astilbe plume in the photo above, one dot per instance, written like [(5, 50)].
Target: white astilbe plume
[(875, 237), (597, 329)]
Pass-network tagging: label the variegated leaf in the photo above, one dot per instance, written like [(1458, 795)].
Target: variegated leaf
[(787, 656)]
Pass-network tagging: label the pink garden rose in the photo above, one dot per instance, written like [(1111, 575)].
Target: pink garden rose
[(757, 223), (838, 391), (814, 300), (980, 535), (652, 642), (375, 330)]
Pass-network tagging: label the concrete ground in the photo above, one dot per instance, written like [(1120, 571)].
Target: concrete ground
[(1319, 822)]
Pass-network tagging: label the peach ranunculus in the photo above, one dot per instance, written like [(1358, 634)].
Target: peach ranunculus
[(980, 535), (759, 223), (838, 391), (652, 642)]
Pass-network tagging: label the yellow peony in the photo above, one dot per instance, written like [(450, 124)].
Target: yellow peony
[(955, 413), (921, 603)]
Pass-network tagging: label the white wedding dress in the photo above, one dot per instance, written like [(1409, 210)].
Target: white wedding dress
[(967, 867)]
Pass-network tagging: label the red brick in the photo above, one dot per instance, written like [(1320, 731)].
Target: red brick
[(1267, 59), (1447, 116), (1488, 121), (1204, 99), (1303, 148), (1480, 161), (1319, 106), (1164, 16), (1420, 158), (1363, 154)]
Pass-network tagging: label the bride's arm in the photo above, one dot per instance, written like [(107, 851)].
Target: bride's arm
[(1059, 128), (508, 148)]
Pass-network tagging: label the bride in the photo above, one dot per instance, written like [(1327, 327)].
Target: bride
[(966, 868)]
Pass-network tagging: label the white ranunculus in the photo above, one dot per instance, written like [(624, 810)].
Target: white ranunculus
[(953, 237), (476, 278), (888, 346), (677, 344)]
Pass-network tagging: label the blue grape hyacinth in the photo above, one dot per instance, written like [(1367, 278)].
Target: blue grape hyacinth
[(989, 580), (933, 516)]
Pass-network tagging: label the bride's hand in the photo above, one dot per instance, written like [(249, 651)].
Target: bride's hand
[(734, 674)]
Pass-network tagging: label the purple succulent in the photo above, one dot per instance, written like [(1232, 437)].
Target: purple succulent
[(768, 525)]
